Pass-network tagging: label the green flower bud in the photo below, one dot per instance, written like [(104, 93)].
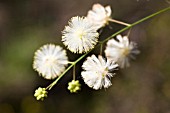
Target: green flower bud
[(40, 93), (74, 86)]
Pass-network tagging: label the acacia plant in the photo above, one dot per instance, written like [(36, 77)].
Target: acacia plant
[(81, 36)]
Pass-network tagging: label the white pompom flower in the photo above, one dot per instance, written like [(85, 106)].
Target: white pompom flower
[(98, 72), (50, 61), (100, 16), (121, 51), (80, 35)]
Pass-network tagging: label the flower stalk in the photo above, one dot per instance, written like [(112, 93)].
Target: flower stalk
[(119, 22), (113, 35)]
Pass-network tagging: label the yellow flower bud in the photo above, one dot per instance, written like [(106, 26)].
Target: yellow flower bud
[(40, 93), (74, 86)]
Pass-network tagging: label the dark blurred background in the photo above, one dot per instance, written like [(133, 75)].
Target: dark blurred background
[(25, 25)]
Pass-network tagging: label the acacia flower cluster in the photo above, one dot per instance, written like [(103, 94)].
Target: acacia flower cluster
[(40, 93), (50, 61), (98, 72), (80, 36), (74, 86), (101, 16), (121, 51)]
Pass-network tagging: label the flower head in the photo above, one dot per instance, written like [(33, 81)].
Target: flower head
[(74, 86), (50, 61), (98, 72), (121, 50), (40, 93), (80, 35), (99, 15)]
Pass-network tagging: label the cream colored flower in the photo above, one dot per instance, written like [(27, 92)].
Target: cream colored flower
[(100, 16), (98, 72), (80, 35), (121, 51), (50, 61)]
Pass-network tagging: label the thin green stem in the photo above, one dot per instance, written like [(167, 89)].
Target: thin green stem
[(54, 82), (69, 62), (129, 32), (101, 48), (119, 22), (74, 74), (118, 32), (135, 23)]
